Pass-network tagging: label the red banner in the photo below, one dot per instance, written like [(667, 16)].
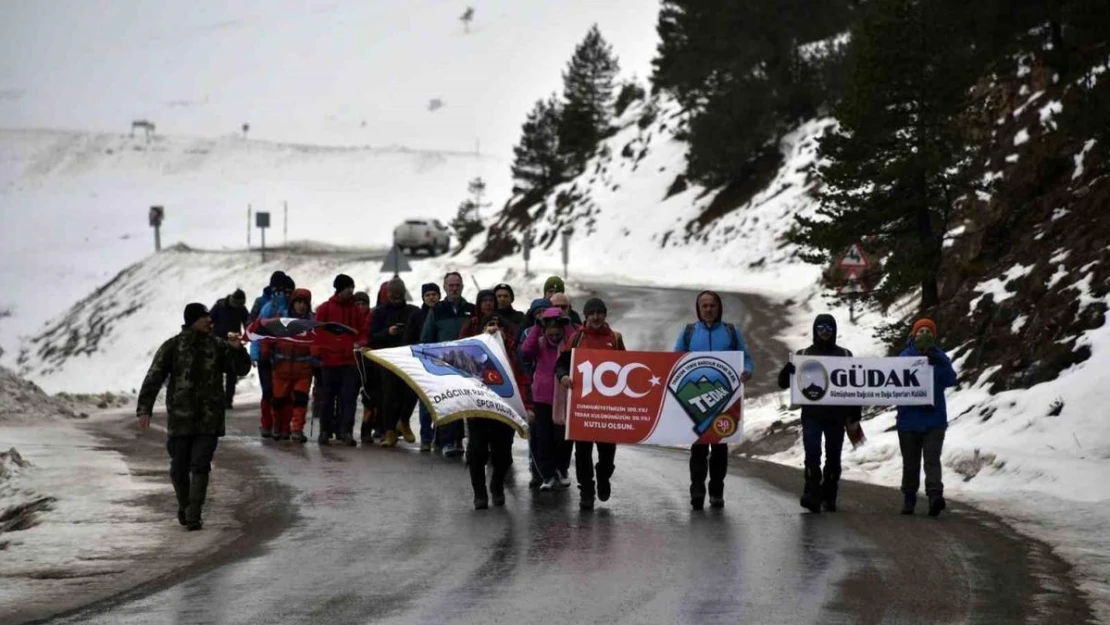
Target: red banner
[(660, 398)]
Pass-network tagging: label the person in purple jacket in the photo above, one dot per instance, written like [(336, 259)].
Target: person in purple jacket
[(552, 451)]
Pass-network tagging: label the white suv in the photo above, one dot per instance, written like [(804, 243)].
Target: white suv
[(423, 234)]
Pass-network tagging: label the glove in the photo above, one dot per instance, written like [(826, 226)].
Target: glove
[(789, 368)]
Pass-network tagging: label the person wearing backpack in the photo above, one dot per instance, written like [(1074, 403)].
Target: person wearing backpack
[(709, 334), (596, 334), (829, 421)]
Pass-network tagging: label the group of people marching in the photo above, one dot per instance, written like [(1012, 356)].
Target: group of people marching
[(204, 361)]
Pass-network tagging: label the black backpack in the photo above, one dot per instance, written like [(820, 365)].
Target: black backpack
[(733, 337)]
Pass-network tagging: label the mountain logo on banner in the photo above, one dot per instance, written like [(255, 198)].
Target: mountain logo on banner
[(470, 359), (703, 389)]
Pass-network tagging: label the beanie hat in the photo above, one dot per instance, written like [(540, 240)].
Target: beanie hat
[(490, 316), (396, 288), (362, 296), (239, 296), (505, 287), (923, 323), (485, 294), (276, 279), (430, 287), (343, 282), (193, 312), (594, 304), (554, 283)]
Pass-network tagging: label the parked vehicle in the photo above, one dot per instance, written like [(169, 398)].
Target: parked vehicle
[(423, 234)]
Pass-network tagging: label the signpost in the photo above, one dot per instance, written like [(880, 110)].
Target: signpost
[(526, 246), (262, 221), (156, 215), (566, 249), (395, 261), (854, 263)]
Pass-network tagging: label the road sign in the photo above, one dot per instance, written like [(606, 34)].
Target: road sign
[(852, 287), (395, 261), (156, 215), (262, 219), (854, 257), (526, 246), (851, 273)]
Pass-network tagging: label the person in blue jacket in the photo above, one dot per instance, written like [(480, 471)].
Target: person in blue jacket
[(281, 289), (921, 428), (709, 334)]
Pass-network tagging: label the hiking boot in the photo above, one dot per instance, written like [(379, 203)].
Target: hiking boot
[(829, 506), (936, 505), (285, 437), (425, 448), (181, 517), (390, 439), (810, 502), (909, 502), (548, 484), (265, 433), (498, 498), (193, 526), (563, 478), (697, 502), (604, 488), (535, 482), (452, 450), (298, 437), (480, 502), (586, 503), (406, 432), (198, 491), (716, 502), (349, 440)]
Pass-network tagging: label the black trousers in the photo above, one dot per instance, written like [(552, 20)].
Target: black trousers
[(398, 401), (711, 459), (584, 464), (552, 450), (340, 386), (488, 440), (817, 483), (229, 386), (917, 446), (189, 455)]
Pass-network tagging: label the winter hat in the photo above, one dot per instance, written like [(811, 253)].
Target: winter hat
[(396, 288), (553, 314), (362, 296), (301, 294), (505, 287), (492, 316), (593, 305), (193, 312), (239, 296), (924, 323), (485, 294), (554, 283), (276, 279), (343, 282), (430, 287)]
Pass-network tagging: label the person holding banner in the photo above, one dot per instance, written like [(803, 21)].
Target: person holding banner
[(818, 421), (339, 371), (292, 365), (443, 323), (596, 334), (706, 335), (490, 439), (551, 449), (387, 329), (921, 429), (429, 295)]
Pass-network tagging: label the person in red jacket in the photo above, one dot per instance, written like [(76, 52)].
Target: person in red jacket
[(292, 365), (340, 375), (596, 334), (490, 439), (486, 304)]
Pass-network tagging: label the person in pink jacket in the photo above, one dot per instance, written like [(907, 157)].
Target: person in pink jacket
[(552, 451)]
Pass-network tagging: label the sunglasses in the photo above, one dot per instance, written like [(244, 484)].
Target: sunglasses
[(825, 328)]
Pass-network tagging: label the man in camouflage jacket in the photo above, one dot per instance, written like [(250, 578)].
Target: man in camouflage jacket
[(195, 363)]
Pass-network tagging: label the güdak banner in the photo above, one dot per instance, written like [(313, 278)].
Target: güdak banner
[(657, 398), (835, 381)]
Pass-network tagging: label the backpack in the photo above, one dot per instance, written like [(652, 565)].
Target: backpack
[(733, 337), (578, 339)]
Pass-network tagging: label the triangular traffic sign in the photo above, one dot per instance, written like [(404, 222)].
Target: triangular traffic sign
[(854, 257), (851, 287), (395, 261)]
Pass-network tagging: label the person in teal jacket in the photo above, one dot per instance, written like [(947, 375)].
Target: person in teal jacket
[(707, 335), (921, 429)]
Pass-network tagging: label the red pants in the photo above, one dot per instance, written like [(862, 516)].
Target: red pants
[(290, 402)]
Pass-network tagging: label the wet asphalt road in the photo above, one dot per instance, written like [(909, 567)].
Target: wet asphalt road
[(390, 536)]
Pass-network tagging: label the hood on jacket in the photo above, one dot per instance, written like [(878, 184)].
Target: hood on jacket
[(538, 304), (823, 319), (720, 306), (301, 294)]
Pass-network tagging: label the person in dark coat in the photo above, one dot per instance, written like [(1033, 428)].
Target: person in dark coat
[(921, 429), (444, 323), (817, 421), (512, 318), (387, 330), (430, 295), (230, 316), (194, 362), (486, 303)]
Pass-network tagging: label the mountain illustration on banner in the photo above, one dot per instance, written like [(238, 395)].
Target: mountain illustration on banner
[(703, 399)]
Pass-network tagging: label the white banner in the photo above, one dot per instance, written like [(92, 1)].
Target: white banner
[(833, 381), (466, 379)]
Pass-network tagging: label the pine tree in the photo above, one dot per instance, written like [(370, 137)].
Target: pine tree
[(897, 163), (538, 164), (588, 93), (468, 218)]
